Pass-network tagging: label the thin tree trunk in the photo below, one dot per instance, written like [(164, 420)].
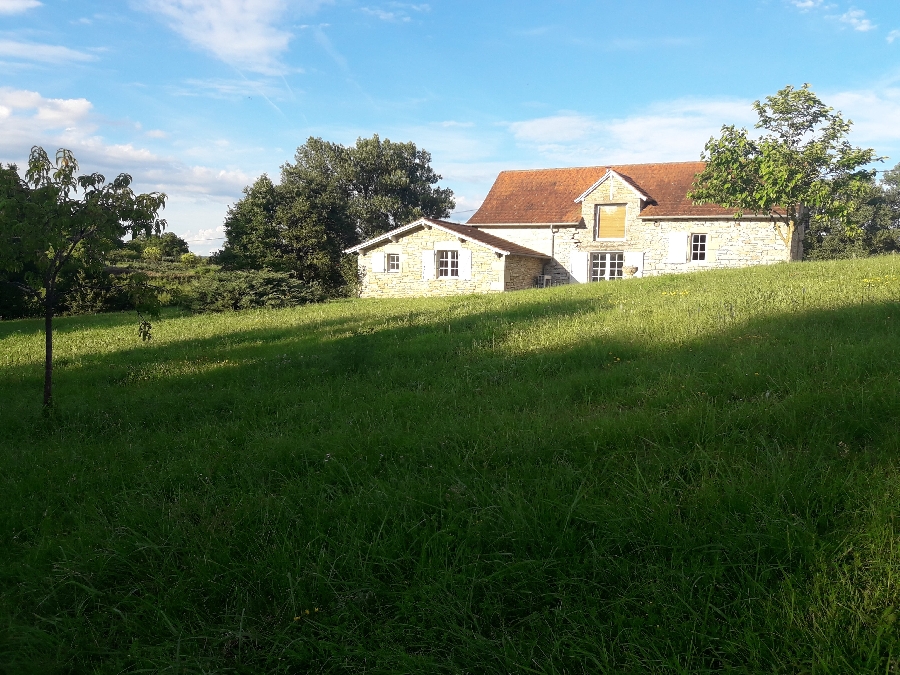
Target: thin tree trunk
[(48, 344)]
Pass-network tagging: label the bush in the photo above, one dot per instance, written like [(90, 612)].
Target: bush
[(188, 259), (152, 253), (121, 255), (226, 291)]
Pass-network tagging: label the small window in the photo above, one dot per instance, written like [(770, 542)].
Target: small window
[(448, 264), (609, 221), (698, 247), (606, 266), (393, 262)]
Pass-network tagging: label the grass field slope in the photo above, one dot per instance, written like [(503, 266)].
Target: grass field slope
[(684, 474)]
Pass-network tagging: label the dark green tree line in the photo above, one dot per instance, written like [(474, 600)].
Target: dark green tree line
[(330, 198)]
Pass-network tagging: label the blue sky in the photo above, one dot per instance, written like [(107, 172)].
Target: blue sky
[(199, 97)]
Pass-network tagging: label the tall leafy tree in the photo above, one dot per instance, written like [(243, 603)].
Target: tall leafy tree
[(329, 198), (801, 167), (55, 224), (391, 184)]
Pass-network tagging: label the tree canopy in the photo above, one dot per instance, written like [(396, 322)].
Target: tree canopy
[(328, 199), (801, 168), (55, 224)]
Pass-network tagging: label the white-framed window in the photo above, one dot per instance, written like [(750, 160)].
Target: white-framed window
[(393, 262), (609, 221), (698, 247), (606, 266), (448, 264)]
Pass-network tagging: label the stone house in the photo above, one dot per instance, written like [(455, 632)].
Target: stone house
[(558, 226)]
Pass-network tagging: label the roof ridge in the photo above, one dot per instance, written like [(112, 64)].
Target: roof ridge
[(603, 166)]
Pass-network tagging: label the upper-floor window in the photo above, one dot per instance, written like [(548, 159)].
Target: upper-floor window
[(609, 221), (393, 262), (606, 266), (698, 247), (448, 264)]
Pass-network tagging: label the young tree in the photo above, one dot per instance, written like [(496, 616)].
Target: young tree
[(54, 224), (802, 168)]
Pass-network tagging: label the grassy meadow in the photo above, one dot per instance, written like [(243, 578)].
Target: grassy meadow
[(684, 474)]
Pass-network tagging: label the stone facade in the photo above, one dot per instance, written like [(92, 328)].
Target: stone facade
[(490, 272), (520, 272), (730, 242)]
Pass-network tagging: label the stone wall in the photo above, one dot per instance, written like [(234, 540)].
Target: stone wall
[(730, 243), (487, 268), (521, 271)]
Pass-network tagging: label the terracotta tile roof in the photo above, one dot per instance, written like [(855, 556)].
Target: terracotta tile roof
[(538, 196), (548, 195), (475, 234)]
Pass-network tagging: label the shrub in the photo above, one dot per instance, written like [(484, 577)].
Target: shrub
[(188, 259), (226, 291), (152, 253)]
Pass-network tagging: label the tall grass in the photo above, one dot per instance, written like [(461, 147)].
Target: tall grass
[(688, 473)]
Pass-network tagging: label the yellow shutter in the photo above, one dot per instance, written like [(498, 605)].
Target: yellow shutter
[(612, 222)]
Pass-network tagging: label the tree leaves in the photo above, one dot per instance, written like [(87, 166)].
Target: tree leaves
[(802, 169), (329, 199)]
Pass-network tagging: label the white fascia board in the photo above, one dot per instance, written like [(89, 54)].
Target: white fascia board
[(704, 219), (479, 226), (606, 176), (381, 238), (421, 222)]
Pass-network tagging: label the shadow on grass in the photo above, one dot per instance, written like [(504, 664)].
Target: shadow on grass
[(451, 503)]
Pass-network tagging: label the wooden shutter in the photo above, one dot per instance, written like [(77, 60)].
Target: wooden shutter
[(678, 247), (428, 264), (635, 259), (578, 266), (465, 264), (378, 261), (611, 224)]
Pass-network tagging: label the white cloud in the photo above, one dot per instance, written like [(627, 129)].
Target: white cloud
[(676, 130), (807, 4), (874, 113), (856, 19), (17, 6), (33, 51), (198, 195), (246, 34), (399, 12), (385, 15), (156, 133), (893, 35)]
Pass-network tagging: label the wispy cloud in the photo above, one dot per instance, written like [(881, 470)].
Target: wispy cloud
[(807, 4), (228, 88), (325, 43), (893, 35), (41, 53), (398, 12), (246, 34), (675, 130), (17, 6), (856, 19)]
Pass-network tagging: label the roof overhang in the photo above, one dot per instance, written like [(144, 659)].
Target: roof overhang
[(609, 174), (426, 222)]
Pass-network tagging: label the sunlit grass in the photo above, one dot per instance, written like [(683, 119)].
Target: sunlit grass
[(688, 473)]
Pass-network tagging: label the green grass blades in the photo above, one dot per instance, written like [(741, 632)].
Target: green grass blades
[(684, 474)]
